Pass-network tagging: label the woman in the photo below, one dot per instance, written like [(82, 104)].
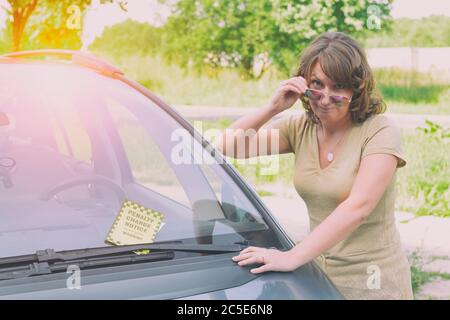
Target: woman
[(346, 156)]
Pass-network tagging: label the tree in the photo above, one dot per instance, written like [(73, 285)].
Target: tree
[(20, 12), (246, 34), (47, 23), (129, 38)]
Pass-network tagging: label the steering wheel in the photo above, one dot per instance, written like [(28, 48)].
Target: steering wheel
[(74, 182)]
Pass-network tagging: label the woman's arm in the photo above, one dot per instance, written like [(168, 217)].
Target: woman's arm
[(374, 176), (238, 140), (244, 139)]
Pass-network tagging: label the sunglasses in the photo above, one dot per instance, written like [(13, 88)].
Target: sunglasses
[(338, 101)]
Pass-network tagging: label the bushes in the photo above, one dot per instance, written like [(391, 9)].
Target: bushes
[(424, 184), (409, 86)]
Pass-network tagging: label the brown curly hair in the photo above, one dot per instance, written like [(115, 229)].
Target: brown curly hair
[(343, 61)]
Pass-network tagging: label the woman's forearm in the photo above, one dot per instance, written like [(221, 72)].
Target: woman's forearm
[(254, 120), (347, 217), (243, 128)]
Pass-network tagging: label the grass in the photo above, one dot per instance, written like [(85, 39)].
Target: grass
[(414, 94), (176, 86), (420, 277), (264, 193), (404, 91), (424, 184), (413, 87)]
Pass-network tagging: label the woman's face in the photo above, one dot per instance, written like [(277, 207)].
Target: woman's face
[(324, 108)]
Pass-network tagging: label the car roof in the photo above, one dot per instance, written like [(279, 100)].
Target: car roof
[(77, 58)]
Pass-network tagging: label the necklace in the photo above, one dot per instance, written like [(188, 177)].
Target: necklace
[(330, 154)]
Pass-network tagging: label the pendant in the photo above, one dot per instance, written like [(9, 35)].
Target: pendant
[(330, 156)]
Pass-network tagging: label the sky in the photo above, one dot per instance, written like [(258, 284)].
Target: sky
[(98, 17), (416, 9)]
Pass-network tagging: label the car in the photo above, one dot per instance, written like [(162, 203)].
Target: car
[(78, 141)]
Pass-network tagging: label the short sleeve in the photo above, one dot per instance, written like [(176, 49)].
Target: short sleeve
[(288, 127), (384, 136)]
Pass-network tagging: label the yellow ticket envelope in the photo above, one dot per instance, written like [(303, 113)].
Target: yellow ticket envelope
[(135, 224)]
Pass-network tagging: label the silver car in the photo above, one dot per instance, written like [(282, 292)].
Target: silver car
[(78, 140)]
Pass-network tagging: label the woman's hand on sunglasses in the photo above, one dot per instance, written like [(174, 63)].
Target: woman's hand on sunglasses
[(288, 92)]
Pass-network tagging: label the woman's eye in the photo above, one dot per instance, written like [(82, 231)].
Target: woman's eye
[(316, 83), (340, 86)]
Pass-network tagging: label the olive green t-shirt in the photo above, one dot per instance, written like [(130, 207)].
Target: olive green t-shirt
[(324, 189), (376, 242)]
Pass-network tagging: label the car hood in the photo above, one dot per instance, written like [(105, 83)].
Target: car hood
[(208, 277)]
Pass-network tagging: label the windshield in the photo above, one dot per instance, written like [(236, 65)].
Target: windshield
[(75, 147)]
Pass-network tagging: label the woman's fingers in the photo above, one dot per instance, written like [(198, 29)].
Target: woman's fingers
[(242, 256), (263, 268), (291, 84), (270, 259), (298, 82), (290, 87), (250, 255), (251, 260)]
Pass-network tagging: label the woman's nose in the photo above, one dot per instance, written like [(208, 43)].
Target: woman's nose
[(325, 97), (325, 101)]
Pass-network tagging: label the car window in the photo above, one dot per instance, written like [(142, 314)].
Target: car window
[(70, 134), (82, 145), (148, 165)]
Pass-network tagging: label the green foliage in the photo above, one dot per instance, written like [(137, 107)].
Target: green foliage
[(413, 94), (36, 24), (433, 31), (5, 45), (48, 27), (129, 38), (418, 276), (410, 86), (424, 188), (178, 86), (264, 193), (244, 34), (44, 24), (435, 132)]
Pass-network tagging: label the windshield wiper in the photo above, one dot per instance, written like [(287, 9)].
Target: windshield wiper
[(41, 268), (48, 261), (50, 255)]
